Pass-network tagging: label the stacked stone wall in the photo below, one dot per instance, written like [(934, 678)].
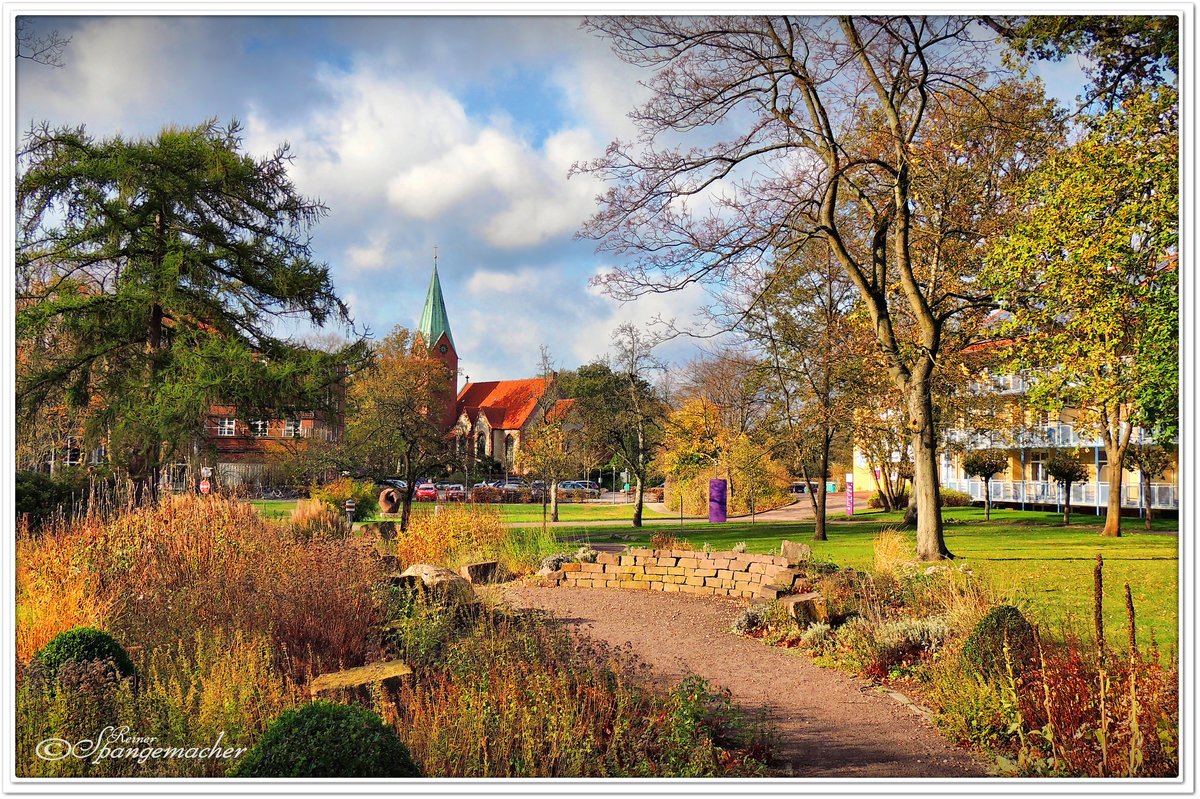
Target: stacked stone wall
[(735, 574)]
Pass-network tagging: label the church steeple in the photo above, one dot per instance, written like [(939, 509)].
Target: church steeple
[(434, 321), (434, 330)]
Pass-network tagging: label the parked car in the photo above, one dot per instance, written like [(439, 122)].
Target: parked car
[(397, 484), (456, 492), (579, 487), (426, 492)]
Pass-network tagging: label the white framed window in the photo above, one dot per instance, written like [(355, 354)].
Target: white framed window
[(226, 426), (291, 428), (258, 428), (72, 454)]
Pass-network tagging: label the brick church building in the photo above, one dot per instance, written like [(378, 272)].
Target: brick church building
[(486, 419)]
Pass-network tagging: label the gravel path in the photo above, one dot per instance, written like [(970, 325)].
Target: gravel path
[(829, 724)]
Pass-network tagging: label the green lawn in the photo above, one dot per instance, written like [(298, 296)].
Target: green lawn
[(1026, 555), (567, 512), (274, 508)]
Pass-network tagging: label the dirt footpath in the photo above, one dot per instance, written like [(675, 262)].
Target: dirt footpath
[(829, 724)]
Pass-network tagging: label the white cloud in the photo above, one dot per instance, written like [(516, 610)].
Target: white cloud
[(484, 283), (369, 256)]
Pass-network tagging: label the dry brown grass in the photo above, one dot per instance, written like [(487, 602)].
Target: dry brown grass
[(53, 593), (892, 550), (158, 575)]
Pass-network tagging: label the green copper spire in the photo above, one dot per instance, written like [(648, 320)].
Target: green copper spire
[(434, 321)]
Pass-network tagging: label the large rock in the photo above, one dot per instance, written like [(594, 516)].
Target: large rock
[(441, 584), (795, 553), (389, 500), (478, 573), (806, 608), (387, 531)]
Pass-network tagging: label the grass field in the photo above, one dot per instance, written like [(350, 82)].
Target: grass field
[(1026, 555), (567, 512)]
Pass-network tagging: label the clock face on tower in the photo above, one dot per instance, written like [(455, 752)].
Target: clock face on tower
[(443, 349)]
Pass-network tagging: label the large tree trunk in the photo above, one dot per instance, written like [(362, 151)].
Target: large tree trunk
[(884, 496), (1112, 516), (638, 497), (1115, 433), (554, 501), (819, 533), (1147, 499), (931, 544), (1066, 504), (987, 499)]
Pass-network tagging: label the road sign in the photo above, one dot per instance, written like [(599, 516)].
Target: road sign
[(205, 487), (849, 494), (350, 506)]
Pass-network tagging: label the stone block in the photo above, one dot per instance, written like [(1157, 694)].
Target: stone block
[(643, 551), (694, 581), (702, 572), (571, 567), (656, 586), (794, 553), (676, 570), (725, 574), (689, 563), (757, 568), (591, 567), (607, 558), (627, 560), (719, 563), (807, 608), (670, 588), (390, 670), (772, 592), (659, 570), (665, 561)]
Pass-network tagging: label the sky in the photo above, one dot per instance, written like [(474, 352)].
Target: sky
[(454, 133)]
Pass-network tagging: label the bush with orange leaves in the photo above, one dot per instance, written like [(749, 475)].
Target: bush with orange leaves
[(453, 535)]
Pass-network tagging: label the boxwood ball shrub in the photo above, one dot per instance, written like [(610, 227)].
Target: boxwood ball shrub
[(326, 739), (81, 645), (984, 647)]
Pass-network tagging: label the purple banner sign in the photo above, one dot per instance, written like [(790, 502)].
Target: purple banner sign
[(849, 495), (716, 501)]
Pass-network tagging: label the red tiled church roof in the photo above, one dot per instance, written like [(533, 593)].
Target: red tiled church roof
[(507, 404)]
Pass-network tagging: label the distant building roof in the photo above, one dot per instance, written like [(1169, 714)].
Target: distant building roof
[(507, 404), (560, 411), (434, 321)]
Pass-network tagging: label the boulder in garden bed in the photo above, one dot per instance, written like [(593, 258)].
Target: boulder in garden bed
[(360, 676), (795, 553), (478, 573), (442, 584), (806, 608)]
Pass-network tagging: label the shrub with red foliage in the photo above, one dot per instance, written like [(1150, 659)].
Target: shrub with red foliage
[(1060, 700)]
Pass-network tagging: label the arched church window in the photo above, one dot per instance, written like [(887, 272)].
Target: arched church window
[(481, 446), (510, 447)]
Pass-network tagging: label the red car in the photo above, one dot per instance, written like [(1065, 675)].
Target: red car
[(456, 493), (426, 492)]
